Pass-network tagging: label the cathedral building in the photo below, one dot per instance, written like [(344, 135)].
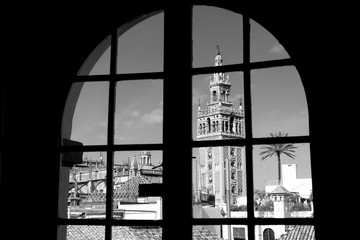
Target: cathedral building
[(87, 180), (221, 167)]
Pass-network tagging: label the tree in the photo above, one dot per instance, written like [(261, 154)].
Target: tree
[(278, 149)]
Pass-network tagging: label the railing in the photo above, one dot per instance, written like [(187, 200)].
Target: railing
[(218, 133), (151, 172), (273, 182), (202, 113)]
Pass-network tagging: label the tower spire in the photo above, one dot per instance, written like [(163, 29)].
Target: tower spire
[(218, 58)]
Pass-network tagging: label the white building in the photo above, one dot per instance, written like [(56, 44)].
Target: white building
[(301, 186)]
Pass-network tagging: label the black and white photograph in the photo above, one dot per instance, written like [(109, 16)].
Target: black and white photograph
[(216, 120)]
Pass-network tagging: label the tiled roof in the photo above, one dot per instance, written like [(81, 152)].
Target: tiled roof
[(87, 232), (301, 232), (280, 190), (200, 233), (129, 191)]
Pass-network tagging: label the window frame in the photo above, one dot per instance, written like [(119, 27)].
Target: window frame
[(178, 68)]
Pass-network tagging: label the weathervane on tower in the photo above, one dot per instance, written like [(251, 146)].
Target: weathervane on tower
[(218, 58), (218, 48)]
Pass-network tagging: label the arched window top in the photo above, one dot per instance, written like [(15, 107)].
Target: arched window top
[(141, 50), (98, 62)]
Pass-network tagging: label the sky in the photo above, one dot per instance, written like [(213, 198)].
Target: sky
[(278, 98)]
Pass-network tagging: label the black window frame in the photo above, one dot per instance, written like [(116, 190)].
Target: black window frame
[(177, 195)]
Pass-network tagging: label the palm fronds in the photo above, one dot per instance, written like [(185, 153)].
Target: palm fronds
[(278, 149)]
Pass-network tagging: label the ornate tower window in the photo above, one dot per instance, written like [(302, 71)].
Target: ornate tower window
[(214, 96)]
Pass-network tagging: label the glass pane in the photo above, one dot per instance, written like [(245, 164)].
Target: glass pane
[(278, 102), (98, 62), (136, 232), (212, 26), (140, 48), (263, 45), (218, 175), (236, 232), (139, 112), (132, 171), (284, 232), (85, 118), (287, 193), (103, 64), (218, 109), (79, 232), (82, 190)]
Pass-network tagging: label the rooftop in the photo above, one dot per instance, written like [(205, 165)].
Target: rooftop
[(78, 232), (304, 232), (280, 190)]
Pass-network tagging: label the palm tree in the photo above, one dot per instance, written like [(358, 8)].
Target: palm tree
[(278, 149)]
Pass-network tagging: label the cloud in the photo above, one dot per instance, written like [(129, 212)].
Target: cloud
[(153, 117), (135, 113), (137, 119), (128, 123), (277, 48)]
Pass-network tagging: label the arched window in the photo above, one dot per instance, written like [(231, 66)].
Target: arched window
[(232, 125), (138, 108), (123, 105), (222, 95), (233, 174), (214, 96), (268, 234), (209, 125), (233, 189)]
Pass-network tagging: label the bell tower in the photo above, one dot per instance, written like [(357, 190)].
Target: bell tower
[(220, 120), (221, 167), (145, 160)]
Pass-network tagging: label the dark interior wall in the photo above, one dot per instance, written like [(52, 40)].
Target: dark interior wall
[(47, 46)]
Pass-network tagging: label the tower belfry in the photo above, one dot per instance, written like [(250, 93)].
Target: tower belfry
[(220, 120), (221, 167)]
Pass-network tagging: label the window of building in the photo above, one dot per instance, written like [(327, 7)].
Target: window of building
[(139, 108), (268, 234)]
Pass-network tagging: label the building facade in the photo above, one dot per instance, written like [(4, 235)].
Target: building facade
[(87, 188), (221, 168), (299, 186)]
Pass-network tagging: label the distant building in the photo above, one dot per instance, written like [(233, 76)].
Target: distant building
[(87, 189), (300, 186), (280, 197), (220, 120)]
